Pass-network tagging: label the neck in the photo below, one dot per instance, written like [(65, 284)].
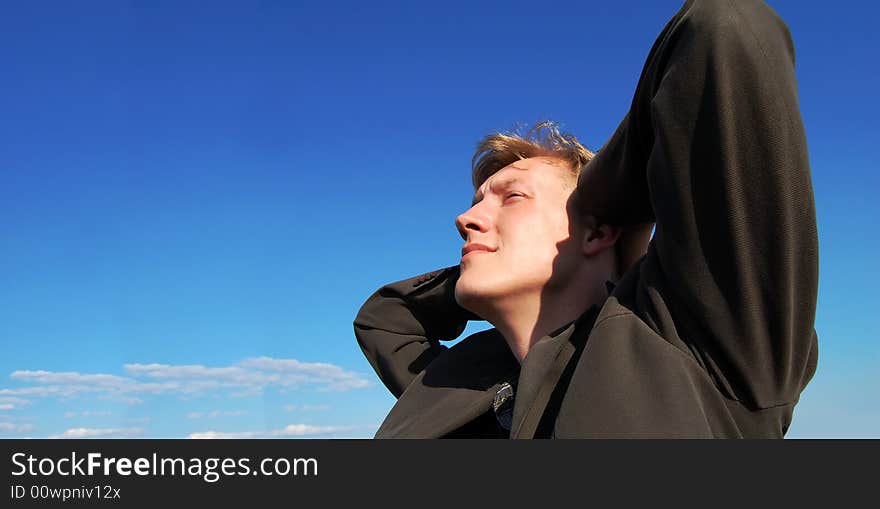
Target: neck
[(525, 319)]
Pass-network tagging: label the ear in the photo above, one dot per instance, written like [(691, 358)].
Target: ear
[(599, 237)]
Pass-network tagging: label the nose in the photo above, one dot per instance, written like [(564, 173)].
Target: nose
[(471, 220)]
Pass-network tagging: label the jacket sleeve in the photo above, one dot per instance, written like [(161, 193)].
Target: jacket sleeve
[(713, 149), (399, 328)]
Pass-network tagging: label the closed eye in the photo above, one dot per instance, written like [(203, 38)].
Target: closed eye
[(512, 196)]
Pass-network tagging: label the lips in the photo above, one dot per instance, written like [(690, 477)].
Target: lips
[(475, 248)]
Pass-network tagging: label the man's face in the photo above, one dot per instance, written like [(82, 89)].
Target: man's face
[(520, 228)]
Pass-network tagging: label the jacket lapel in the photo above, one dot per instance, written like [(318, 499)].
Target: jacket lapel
[(458, 386), (432, 412), (542, 371)]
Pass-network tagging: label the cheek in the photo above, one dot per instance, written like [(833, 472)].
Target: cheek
[(534, 248), (537, 233)]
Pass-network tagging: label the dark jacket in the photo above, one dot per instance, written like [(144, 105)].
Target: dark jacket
[(711, 333)]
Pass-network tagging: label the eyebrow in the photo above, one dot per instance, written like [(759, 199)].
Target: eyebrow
[(498, 184)]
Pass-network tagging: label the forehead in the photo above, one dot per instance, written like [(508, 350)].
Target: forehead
[(537, 171)]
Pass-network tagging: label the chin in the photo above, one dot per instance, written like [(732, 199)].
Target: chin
[(478, 294)]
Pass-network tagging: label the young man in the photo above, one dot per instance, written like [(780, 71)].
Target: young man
[(709, 334)]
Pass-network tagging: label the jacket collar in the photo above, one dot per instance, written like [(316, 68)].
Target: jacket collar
[(542, 370), (461, 383), (456, 387)]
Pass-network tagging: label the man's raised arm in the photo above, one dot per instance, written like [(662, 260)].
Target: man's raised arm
[(399, 328), (713, 149)]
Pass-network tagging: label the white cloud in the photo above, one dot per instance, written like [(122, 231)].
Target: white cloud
[(87, 413), (193, 371), (9, 403), (52, 390), (292, 430), (100, 433), (307, 408), (246, 378), (216, 413), (67, 378), (11, 427), (330, 376), (257, 373), (228, 413)]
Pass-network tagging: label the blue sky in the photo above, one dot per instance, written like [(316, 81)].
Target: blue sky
[(196, 199)]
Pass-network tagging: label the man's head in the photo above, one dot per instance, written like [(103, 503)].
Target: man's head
[(523, 236)]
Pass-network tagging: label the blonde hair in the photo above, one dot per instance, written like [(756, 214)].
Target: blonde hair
[(544, 139)]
